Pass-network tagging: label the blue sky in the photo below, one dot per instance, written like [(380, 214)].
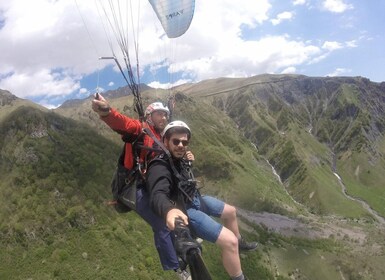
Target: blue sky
[(50, 49)]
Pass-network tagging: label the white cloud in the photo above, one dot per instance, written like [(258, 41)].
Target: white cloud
[(327, 48), (339, 72), (168, 85), (331, 46), (42, 82), (99, 89), (83, 91), (49, 106), (299, 2), (351, 44), (242, 59), (336, 6), (46, 51), (157, 84), (318, 58), (49, 50), (281, 17), (289, 70)]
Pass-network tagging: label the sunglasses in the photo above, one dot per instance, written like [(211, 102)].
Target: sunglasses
[(177, 141)]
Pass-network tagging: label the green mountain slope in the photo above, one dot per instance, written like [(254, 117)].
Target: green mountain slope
[(9, 103), (309, 129), (56, 166), (54, 223), (227, 164)]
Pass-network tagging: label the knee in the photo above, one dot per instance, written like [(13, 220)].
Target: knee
[(230, 213), (232, 243), (233, 211), (229, 241)]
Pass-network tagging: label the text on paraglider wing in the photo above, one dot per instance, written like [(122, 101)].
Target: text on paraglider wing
[(174, 14)]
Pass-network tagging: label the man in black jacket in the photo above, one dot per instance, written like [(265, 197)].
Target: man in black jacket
[(173, 194)]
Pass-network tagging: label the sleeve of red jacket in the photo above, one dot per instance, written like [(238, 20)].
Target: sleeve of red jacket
[(121, 123)]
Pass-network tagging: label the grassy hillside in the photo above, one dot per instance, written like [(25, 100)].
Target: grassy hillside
[(310, 128), (54, 223), (55, 173), (9, 103), (227, 164)]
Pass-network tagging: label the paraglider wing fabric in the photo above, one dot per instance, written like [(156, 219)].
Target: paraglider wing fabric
[(175, 16)]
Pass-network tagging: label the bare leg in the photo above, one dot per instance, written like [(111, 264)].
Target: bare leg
[(229, 217), (230, 257)]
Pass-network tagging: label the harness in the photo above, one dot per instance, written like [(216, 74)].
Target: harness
[(141, 153), (125, 181), (186, 185), (186, 181), (125, 192)]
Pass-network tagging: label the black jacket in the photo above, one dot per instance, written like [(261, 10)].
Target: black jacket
[(162, 184)]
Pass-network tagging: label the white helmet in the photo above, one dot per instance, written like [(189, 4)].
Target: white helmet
[(176, 124), (156, 106)]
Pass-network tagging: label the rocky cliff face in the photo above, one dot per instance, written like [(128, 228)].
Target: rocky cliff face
[(6, 98)]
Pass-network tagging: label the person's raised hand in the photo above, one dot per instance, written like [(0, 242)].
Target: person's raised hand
[(100, 105)]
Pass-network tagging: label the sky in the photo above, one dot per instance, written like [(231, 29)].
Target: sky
[(50, 49)]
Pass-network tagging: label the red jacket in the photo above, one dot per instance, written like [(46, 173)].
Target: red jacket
[(125, 125)]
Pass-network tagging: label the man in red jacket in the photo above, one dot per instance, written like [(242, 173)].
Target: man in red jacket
[(156, 120)]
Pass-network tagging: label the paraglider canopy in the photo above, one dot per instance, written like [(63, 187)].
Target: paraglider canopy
[(175, 16), (121, 20)]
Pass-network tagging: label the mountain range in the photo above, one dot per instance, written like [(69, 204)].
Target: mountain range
[(302, 157)]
